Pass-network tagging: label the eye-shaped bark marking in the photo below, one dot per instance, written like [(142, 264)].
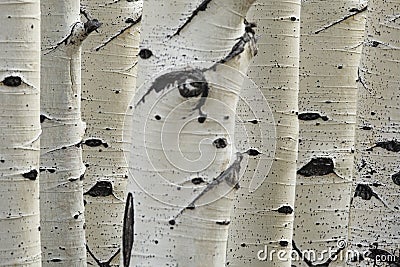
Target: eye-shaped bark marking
[(311, 116), (317, 167), (31, 175), (128, 230), (331, 258), (201, 7), (145, 53), (100, 189), (190, 83), (223, 222), (230, 176), (365, 192), (197, 180), (392, 146), (12, 81), (238, 47), (253, 152), (104, 263)]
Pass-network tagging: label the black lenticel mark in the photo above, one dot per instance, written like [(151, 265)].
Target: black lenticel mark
[(253, 152), (396, 178), (172, 222), (317, 167), (145, 53), (31, 175), (223, 222), (283, 243), (100, 189), (309, 116), (197, 180), (12, 81), (201, 119), (285, 210), (128, 230), (55, 260), (253, 121), (220, 143), (95, 143)]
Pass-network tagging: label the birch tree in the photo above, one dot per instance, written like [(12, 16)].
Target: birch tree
[(61, 166), (184, 166), (19, 134), (108, 77), (374, 216), (332, 33), (263, 219)]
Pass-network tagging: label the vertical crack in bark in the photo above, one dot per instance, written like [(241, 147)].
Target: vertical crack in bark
[(128, 230), (354, 11), (133, 23), (201, 7)]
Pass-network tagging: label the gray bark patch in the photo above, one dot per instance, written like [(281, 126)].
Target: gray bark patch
[(392, 146), (317, 167)]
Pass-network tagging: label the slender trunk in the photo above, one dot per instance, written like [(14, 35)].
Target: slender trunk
[(331, 41), (19, 133), (108, 76), (374, 216), (184, 165), (263, 219), (61, 167)]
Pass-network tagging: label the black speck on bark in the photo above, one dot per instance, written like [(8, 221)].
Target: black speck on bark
[(100, 189), (317, 167), (31, 175), (55, 260), (12, 81), (172, 222)]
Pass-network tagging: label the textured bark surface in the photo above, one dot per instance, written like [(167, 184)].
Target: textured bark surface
[(19, 133), (374, 215), (332, 33), (61, 166), (264, 218), (184, 166), (109, 59)]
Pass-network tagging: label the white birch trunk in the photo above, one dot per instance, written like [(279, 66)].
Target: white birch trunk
[(108, 76), (19, 133), (61, 167), (332, 34), (374, 226), (183, 161), (263, 220)]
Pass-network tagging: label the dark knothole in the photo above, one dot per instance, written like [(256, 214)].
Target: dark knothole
[(12, 81), (197, 180), (100, 189), (220, 143), (31, 175), (317, 167), (285, 210)]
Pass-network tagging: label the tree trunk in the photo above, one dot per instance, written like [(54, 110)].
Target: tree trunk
[(61, 167), (108, 75), (184, 166), (19, 134), (263, 219), (374, 216), (330, 50)]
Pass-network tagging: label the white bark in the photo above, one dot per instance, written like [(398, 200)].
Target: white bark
[(374, 215), (108, 76), (19, 133), (61, 167), (332, 33), (264, 218), (182, 196)]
